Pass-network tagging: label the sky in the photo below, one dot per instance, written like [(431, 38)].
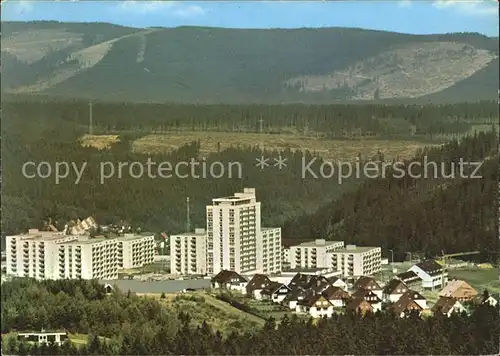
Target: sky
[(406, 16)]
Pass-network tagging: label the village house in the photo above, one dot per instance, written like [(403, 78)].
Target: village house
[(393, 290), (229, 280), (368, 283), (275, 291), (255, 286), (43, 337), (405, 306), (337, 296), (370, 297), (485, 298), (409, 278), (447, 306), (337, 282), (359, 306), (417, 297), (458, 289), (316, 305), (431, 273), (295, 296)]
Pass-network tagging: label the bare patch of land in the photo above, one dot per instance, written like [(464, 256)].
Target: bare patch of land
[(99, 141), (328, 149), (402, 72)]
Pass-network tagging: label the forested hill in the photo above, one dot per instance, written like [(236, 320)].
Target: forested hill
[(427, 215), (215, 65)]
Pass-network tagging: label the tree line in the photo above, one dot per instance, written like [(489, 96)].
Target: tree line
[(429, 215), (124, 324)]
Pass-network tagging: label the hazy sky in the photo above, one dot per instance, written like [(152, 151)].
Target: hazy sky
[(415, 16)]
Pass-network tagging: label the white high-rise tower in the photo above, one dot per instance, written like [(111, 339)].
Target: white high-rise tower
[(235, 239)]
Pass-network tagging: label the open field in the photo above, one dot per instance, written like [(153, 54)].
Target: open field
[(328, 149), (99, 141), (202, 306), (480, 279)]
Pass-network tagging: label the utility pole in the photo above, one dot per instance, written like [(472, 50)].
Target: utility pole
[(188, 223), (261, 133), (90, 118)]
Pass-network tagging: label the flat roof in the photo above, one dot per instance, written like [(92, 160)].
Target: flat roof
[(357, 249), (269, 228), (190, 234), (131, 237), (315, 243), (89, 241)]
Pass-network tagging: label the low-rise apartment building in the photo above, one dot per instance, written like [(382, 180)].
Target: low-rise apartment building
[(188, 253), (355, 261), (135, 251), (313, 254)]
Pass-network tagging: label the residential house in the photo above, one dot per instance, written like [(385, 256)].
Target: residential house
[(316, 305), (295, 296), (417, 297), (448, 306), (300, 280), (368, 283), (485, 298), (409, 278), (370, 297), (229, 280), (359, 306), (405, 306), (318, 283), (275, 291), (431, 273), (43, 337), (393, 290), (337, 296), (337, 282), (458, 289), (255, 286)]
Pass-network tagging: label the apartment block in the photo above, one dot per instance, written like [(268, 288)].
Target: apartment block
[(135, 251), (234, 240), (313, 254), (89, 258), (35, 254), (56, 255), (271, 250), (188, 253), (357, 261)]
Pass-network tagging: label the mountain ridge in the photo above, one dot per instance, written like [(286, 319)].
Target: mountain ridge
[(219, 65)]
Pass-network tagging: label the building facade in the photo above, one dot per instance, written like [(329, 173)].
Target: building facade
[(55, 255), (357, 261), (188, 253), (135, 251), (89, 258), (235, 239), (271, 250), (314, 254)]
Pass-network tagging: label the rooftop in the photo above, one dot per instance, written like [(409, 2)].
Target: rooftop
[(356, 249), (319, 242), (131, 237), (89, 241), (197, 232)]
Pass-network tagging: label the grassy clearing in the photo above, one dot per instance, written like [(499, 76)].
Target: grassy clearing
[(480, 279), (328, 149), (99, 141), (219, 315)]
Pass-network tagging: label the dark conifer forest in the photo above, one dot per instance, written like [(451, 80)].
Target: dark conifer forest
[(405, 214)]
